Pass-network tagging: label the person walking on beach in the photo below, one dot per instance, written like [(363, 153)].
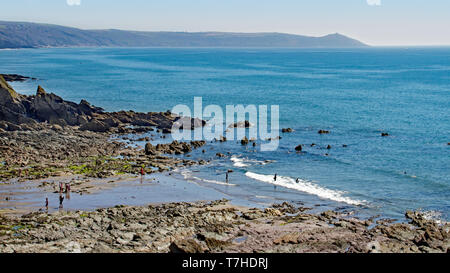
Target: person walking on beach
[(61, 200), (68, 191), (142, 174), (67, 185)]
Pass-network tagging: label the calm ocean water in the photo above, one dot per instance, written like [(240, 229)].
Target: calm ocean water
[(356, 94)]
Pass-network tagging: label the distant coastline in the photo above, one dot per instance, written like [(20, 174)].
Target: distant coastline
[(15, 35)]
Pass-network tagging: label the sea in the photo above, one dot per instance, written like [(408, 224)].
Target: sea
[(356, 94)]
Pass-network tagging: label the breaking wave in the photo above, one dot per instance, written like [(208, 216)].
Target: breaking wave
[(305, 186)]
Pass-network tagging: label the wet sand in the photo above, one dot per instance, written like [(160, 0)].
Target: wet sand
[(18, 198)]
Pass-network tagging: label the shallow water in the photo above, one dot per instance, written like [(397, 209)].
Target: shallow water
[(356, 94)]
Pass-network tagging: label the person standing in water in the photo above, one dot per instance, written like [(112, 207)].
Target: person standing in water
[(275, 180), (297, 181), (226, 176), (46, 203)]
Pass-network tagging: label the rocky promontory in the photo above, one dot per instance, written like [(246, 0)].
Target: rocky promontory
[(18, 110), (43, 135), (16, 78)]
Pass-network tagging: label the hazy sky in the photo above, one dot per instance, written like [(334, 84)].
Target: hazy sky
[(376, 22)]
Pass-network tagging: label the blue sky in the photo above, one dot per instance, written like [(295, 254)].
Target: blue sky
[(383, 22)]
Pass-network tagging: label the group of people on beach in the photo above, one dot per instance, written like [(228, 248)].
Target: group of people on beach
[(20, 172), (66, 188), (63, 188)]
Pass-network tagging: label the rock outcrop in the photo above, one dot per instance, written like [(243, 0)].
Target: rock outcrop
[(287, 130), (16, 109), (15, 78), (175, 147), (241, 124), (244, 141)]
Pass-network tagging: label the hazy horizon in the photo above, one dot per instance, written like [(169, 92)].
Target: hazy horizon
[(373, 22)]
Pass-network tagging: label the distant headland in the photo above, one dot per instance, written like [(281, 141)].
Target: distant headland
[(33, 35)]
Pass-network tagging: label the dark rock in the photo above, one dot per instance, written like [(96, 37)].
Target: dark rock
[(329, 147), (15, 78), (244, 141), (198, 144), (14, 127), (323, 132), (186, 123), (11, 108), (241, 124), (50, 107), (95, 126), (384, 134), (186, 246), (299, 148), (222, 139), (150, 149), (275, 138), (287, 130)]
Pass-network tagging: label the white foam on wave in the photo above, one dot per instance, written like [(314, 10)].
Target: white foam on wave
[(238, 162), (242, 163), (213, 181), (305, 186), (432, 215)]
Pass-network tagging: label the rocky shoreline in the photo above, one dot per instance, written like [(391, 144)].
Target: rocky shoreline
[(216, 227), (43, 136)]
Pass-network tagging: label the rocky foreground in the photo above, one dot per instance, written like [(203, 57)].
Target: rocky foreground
[(216, 227)]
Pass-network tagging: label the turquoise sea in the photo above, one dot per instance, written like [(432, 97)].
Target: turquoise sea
[(355, 93)]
